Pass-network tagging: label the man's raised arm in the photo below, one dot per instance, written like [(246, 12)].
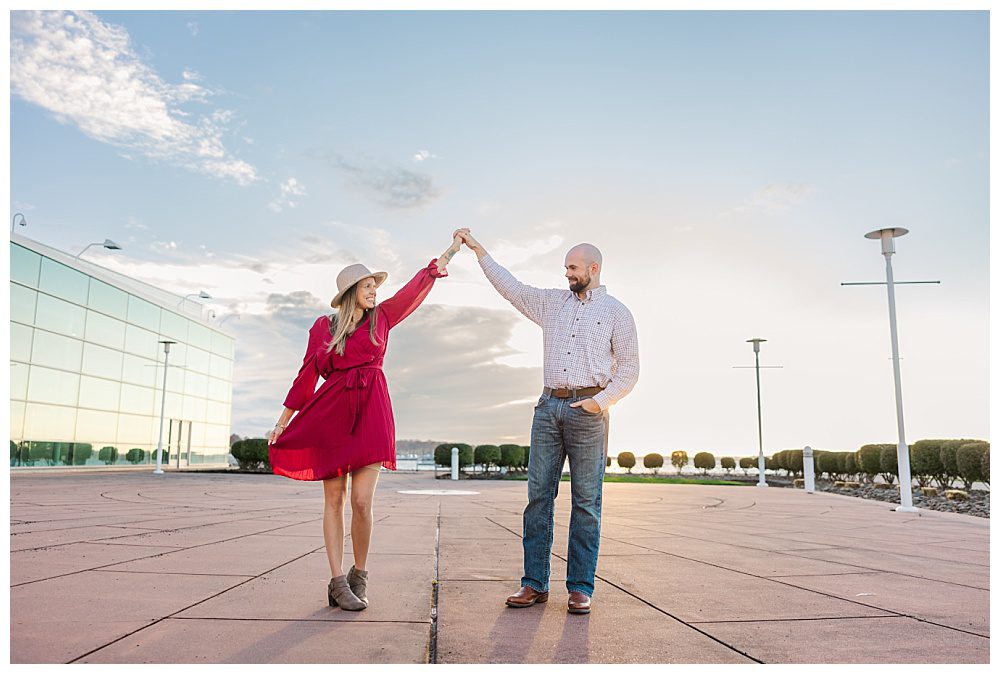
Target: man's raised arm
[(528, 300)]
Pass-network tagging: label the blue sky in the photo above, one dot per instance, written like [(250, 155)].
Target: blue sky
[(726, 163)]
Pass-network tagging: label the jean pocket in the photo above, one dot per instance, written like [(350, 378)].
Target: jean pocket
[(541, 401)]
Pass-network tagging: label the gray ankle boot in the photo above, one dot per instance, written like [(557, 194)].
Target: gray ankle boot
[(358, 580), (339, 593)]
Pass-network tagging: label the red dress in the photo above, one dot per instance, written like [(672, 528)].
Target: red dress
[(347, 423)]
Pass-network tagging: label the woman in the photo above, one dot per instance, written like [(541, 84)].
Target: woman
[(346, 426)]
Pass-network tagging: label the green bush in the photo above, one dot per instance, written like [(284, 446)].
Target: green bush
[(770, 463), (889, 463), (970, 462), (442, 454), (109, 455), (705, 461), (925, 463), (80, 452), (511, 456), (487, 455), (653, 461), (847, 464), (728, 463), (626, 460), (527, 451), (251, 454), (41, 451), (790, 460), (986, 464), (829, 463), (949, 458), (748, 462), (869, 461), (135, 456), (678, 459), (607, 461)]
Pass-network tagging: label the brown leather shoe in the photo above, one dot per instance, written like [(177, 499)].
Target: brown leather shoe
[(527, 596), (578, 603)]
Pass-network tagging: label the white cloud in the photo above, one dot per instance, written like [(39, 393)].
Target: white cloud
[(424, 155), (775, 197), (86, 72), (290, 188), (191, 76), (192, 26), (389, 185)]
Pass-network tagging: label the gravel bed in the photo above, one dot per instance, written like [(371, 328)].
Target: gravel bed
[(978, 503)]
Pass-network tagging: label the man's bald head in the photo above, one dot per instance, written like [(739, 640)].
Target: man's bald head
[(583, 267)]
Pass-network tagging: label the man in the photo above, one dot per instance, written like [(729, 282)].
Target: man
[(591, 361)]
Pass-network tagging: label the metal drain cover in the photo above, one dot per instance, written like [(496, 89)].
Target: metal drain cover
[(439, 492)]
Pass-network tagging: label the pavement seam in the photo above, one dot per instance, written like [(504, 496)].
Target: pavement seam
[(200, 601), (789, 620), (105, 566), (432, 648), (298, 620), (655, 607)]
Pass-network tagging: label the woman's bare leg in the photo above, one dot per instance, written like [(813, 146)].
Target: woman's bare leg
[(334, 498), (363, 483)]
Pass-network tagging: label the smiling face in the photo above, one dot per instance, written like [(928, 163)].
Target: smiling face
[(582, 267), (365, 293)]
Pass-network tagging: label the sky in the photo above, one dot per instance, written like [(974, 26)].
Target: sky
[(727, 164)]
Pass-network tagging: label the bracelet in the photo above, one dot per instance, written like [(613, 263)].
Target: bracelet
[(281, 426)]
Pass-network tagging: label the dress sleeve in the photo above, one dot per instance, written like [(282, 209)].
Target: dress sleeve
[(305, 382), (409, 297)]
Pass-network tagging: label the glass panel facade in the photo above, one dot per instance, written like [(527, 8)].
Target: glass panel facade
[(20, 342), (105, 331), (143, 313), (57, 316), (24, 265), (86, 370), (53, 386), (56, 351), (22, 304), (59, 280), (108, 299)]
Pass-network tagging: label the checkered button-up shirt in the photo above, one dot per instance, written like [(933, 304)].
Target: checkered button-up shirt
[(588, 342)]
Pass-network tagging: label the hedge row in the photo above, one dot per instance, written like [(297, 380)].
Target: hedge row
[(36, 453), (511, 457)]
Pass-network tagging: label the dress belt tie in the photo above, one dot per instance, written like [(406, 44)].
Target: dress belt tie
[(356, 379)]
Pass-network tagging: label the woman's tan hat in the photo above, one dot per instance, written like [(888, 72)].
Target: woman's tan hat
[(352, 274)]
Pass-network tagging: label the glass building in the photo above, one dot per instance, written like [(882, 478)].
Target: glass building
[(86, 368)]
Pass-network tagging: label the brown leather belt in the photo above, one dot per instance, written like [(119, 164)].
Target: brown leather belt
[(572, 392)]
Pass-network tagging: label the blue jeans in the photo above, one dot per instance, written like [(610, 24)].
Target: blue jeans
[(559, 431)]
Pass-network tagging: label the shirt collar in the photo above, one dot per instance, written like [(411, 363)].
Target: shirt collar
[(593, 294)]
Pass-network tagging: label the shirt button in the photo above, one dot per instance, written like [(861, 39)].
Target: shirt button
[(564, 369), (568, 353)]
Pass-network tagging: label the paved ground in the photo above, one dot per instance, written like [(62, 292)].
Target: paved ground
[(187, 567)]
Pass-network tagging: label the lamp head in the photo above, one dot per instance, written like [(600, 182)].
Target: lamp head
[(886, 235)]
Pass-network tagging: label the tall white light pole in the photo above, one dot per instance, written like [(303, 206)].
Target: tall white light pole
[(163, 404), (761, 480), (886, 236)]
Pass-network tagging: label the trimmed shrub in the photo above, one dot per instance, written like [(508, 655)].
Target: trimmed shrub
[(969, 458), (679, 459), (527, 451), (41, 451), (653, 461), (705, 461), (925, 463), (511, 456), (251, 454), (889, 463), (986, 464), (487, 455), (869, 461), (135, 456), (748, 462), (442, 454), (109, 455), (769, 463), (847, 464), (626, 460), (949, 458), (80, 452), (728, 463), (792, 459), (607, 461), (829, 463)]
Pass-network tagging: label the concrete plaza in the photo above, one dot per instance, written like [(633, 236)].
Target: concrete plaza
[(211, 568)]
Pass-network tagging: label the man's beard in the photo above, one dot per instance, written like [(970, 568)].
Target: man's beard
[(579, 284)]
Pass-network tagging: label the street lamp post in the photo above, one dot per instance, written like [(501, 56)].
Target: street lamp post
[(202, 295), (163, 404), (886, 236), (107, 243), (761, 480)]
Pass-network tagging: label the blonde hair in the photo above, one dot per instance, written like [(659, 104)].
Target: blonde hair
[(340, 330)]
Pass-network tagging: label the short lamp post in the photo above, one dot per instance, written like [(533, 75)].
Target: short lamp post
[(761, 480), (163, 405)]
